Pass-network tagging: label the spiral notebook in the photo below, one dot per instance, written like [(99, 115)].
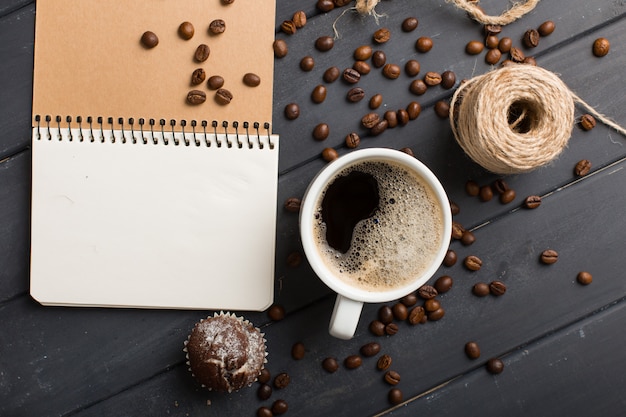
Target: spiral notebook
[(140, 199)]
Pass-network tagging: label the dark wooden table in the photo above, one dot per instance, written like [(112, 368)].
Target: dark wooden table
[(562, 343)]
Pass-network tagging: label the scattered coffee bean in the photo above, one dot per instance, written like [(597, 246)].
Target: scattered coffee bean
[(495, 366), (363, 53), (480, 289), (294, 259), (382, 35), (385, 314), (424, 44), (392, 377), (418, 87), (186, 30), (288, 27), (362, 67), (450, 258), (474, 47), (531, 38), (392, 118), (264, 392), (299, 19), (507, 196), (329, 154), (202, 53), (505, 45), (307, 63), (427, 292), (379, 59), (330, 365), (351, 76), (353, 362), (549, 256), (217, 27), (472, 350), (454, 208), (377, 328), (409, 24), (400, 312), (492, 29), (196, 97), (529, 60), (416, 315), (546, 28), (473, 263), (379, 127), (394, 396), (472, 188), (391, 71), (497, 288), (492, 57), (587, 122), (468, 238), (282, 380), (276, 312), (280, 48), (298, 351), (375, 101), (370, 120), (413, 109), (215, 82), (516, 54), (601, 47), (223, 96), (412, 67), (582, 168), (448, 79), (443, 284), (436, 315), (532, 201), (331, 74), (384, 362), (292, 111), (318, 95), (355, 94), (500, 186), (198, 76), (391, 329), (584, 278), (324, 43), (325, 5), (321, 132), (265, 376), (251, 80), (370, 349), (149, 39), (409, 299), (279, 407), (431, 305), (264, 412), (403, 118), (485, 194), (352, 140), (432, 78), (442, 109)]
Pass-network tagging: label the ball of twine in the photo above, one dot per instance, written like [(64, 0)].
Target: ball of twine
[(513, 119)]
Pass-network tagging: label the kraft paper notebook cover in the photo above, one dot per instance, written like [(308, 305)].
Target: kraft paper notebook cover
[(140, 199)]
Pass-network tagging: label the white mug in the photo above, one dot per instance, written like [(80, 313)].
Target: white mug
[(350, 299)]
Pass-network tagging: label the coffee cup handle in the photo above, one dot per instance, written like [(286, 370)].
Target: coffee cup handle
[(345, 317)]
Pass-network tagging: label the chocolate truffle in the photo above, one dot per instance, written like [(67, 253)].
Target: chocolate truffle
[(225, 352)]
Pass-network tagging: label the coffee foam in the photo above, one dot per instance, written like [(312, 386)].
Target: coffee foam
[(398, 242)]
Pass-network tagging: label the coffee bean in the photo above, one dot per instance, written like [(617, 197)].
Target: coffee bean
[(288, 27), (442, 109), (375, 101), (450, 258), (416, 315), (355, 94), (532, 201), (531, 38), (582, 168), (325, 5), (432, 78), (474, 47), (215, 82), (601, 47), (492, 29), (324, 43), (516, 54), (402, 116), (294, 259), (264, 412), (584, 278), (500, 186), (480, 289), (505, 45), (472, 188), (392, 377), (282, 380), (448, 79), (443, 284), (412, 67), (549, 256), (384, 362), (529, 60), (196, 97), (276, 312), (394, 396), (341, 3), (307, 63), (485, 194), (495, 366), (385, 314), (223, 96), (454, 208), (370, 120), (409, 24), (473, 263), (377, 328), (265, 376), (264, 392), (363, 52), (352, 140), (379, 59), (493, 56), (424, 44), (198, 76), (318, 95), (472, 350), (370, 349), (418, 87), (217, 27), (457, 230), (298, 351), (391, 71), (427, 292), (392, 119), (149, 39), (251, 80), (330, 365), (228, 2), (436, 315), (202, 53), (587, 122), (186, 30), (382, 35), (391, 329), (431, 305), (546, 28), (468, 238), (329, 154), (400, 312), (280, 48), (299, 19), (351, 76), (497, 288), (331, 74), (321, 132), (413, 109), (292, 111), (352, 361), (362, 67), (507, 196), (409, 299), (279, 407)]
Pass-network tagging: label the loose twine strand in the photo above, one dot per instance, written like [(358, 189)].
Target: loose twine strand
[(516, 118)]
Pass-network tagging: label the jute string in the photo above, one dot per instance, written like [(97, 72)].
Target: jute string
[(516, 118), (517, 10)]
